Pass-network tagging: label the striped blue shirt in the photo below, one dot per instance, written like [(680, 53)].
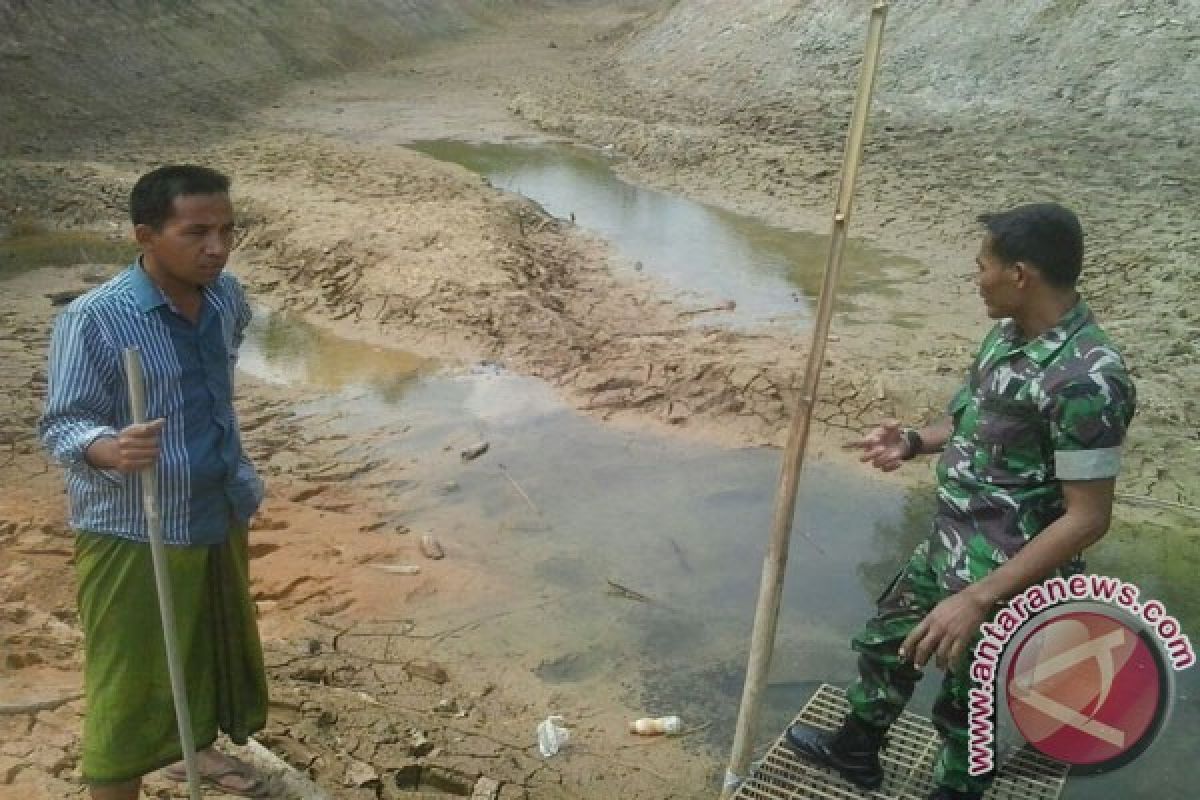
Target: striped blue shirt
[(206, 482)]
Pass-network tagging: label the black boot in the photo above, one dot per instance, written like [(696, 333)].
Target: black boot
[(852, 750), (942, 793)]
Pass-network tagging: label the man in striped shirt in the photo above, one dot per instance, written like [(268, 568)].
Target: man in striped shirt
[(186, 316)]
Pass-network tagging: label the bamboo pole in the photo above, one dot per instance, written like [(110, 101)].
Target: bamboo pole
[(766, 617), (162, 578)]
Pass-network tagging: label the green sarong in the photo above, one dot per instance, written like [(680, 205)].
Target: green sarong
[(130, 728)]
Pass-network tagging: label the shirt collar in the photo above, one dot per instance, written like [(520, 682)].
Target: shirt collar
[(145, 291), (1044, 347)]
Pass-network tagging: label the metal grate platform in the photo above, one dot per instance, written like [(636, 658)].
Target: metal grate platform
[(913, 743)]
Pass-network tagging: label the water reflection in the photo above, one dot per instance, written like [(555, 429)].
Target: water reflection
[(711, 254), (281, 348)]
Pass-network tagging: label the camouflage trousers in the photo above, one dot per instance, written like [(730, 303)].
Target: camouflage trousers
[(886, 683)]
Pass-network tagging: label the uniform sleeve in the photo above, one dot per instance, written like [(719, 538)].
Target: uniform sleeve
[(1088, 426), (79, 398), (959, 401)]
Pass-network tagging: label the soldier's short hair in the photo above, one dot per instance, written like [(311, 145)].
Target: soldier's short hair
[(1045, 235)]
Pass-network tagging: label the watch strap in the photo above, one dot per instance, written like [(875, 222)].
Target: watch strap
[(913, 443)]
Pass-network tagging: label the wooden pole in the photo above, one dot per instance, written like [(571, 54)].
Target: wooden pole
[(162, 578), (766, 616)]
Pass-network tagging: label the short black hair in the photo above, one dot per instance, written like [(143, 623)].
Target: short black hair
[(1046, 235), (150, 202)]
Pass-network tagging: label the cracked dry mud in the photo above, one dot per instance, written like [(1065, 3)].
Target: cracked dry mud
[(347, 229)]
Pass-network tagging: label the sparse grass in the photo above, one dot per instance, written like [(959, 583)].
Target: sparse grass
[(23, 224), (1059, 12), (27, 244)]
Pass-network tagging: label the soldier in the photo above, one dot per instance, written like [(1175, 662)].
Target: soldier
[(1031, 447)]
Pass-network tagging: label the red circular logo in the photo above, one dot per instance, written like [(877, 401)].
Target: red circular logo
[(1086, 689)]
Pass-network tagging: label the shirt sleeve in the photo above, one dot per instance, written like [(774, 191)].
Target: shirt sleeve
[(80, 397), (1088, 426), (959, 401), (241, 314)]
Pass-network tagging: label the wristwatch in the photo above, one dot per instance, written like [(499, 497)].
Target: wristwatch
[(913, 444)]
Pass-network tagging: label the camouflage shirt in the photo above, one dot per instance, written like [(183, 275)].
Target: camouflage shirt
[(1031, 414)]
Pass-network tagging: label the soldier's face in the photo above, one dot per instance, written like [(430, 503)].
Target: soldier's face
[(997, 282)]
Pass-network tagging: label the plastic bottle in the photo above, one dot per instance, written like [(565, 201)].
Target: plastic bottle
[(652, 726)]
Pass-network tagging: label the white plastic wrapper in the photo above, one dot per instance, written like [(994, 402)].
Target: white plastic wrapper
[(551, 735)]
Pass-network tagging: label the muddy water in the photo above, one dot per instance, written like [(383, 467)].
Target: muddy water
[(707, 254), (282, 349), (568, 510), (563, 505)]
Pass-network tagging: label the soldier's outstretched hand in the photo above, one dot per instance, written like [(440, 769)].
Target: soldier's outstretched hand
[(883, 447)]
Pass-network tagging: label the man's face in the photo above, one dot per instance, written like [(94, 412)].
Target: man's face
[(998, 282), (195, 240)]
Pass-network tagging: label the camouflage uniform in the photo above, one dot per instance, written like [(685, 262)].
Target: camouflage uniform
[(1030, 415)]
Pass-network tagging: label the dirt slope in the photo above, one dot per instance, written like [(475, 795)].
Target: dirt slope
[(1110, 56), (71, 66)]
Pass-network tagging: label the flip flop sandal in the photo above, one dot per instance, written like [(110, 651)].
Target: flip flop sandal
[(219, 779)]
